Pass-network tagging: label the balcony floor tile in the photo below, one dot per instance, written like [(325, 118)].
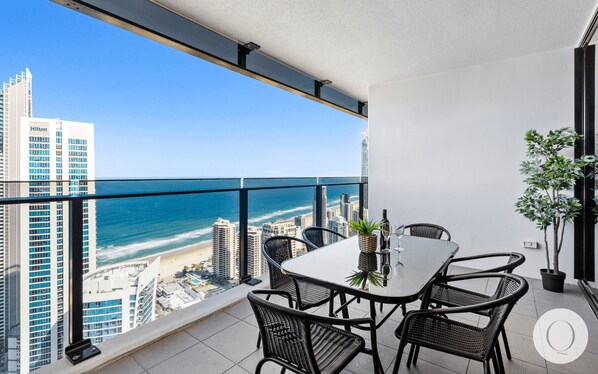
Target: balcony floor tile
[(198, 359), (126, 365), (212, 325), (164, 349), (236, 342)]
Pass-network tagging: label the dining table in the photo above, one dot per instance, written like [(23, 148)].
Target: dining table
[(385, 276)]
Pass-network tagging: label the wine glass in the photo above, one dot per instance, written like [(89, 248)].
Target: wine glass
[(399, 230), (386, 232)]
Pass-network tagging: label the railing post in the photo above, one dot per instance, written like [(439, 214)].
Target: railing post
[(361, 199), (318, 208), (244, 276), (79, 349)]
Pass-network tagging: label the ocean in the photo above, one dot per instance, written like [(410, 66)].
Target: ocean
[(131, 228)]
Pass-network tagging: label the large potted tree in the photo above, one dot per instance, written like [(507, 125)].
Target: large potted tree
[(547, 201)]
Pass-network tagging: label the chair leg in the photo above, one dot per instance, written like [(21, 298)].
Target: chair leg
[(283, 370), (506, 343), (410, 357), (258, 368), (501, 364), (487, 367), (404, 309), (344, 311), (331, 305), (495, 363), (415, 355), (381, 307), (395, 369)]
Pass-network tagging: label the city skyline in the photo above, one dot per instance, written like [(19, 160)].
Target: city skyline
[(178, 104)]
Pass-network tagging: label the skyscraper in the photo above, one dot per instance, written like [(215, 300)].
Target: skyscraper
[(281, 228), (339, 225), (364, 153), (324, 208), (345, 206), (15, 102), (41, 151), (47, 150), (301, 221), (254, 251), (224, 249), (119, 298)]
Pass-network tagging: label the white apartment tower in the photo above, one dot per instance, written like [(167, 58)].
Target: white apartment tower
[(364, 153), (339, 225), (254, 251), (119, 298), (281, 228), (15, 102), (224, 249), (34, 237)]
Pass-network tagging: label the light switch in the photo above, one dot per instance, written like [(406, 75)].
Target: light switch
[(532, 245)]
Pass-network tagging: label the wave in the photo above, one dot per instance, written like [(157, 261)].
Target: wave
[(116, 251), (112, 252), (279, 213)]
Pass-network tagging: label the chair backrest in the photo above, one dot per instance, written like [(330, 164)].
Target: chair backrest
[(427, 230), (276, 250), (286, 333), (317, 236), (511, 288)]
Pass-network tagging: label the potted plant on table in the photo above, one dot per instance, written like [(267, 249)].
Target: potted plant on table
[(547, 201), (367, 239)]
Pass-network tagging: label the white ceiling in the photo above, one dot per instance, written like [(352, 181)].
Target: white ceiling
[(357, 43)]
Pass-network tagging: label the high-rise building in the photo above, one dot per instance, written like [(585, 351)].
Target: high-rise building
[(364, 153), (280, 228), (345, 206), (34, 237), (119, 298), (301, 221), (254, 251), (324, 208), (224, 249), (15, 102), (354, 217), (47, 150), (339, 225)]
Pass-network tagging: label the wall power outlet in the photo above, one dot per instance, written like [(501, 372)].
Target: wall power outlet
[(532, 245)]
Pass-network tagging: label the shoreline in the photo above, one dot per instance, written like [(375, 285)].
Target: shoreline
[(174, 260)]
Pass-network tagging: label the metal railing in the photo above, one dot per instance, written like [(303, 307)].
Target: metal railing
[(80, 348)]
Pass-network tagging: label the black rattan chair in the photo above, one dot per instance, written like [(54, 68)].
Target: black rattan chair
[(432, 329), (278, 249), (446, 295), (306, 343), (427, 230), (315, 236)]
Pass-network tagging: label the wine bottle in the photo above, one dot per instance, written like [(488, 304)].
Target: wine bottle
[(384, 230)]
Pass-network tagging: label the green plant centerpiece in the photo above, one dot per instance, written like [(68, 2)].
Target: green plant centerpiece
[(550, 176), (368, 241)]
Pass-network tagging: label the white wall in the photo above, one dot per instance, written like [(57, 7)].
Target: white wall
[(446, 148)]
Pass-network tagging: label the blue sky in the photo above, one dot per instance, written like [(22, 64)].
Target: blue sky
[(159, 112)]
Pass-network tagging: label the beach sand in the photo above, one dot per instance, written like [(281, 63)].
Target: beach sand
[(175, 260)]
